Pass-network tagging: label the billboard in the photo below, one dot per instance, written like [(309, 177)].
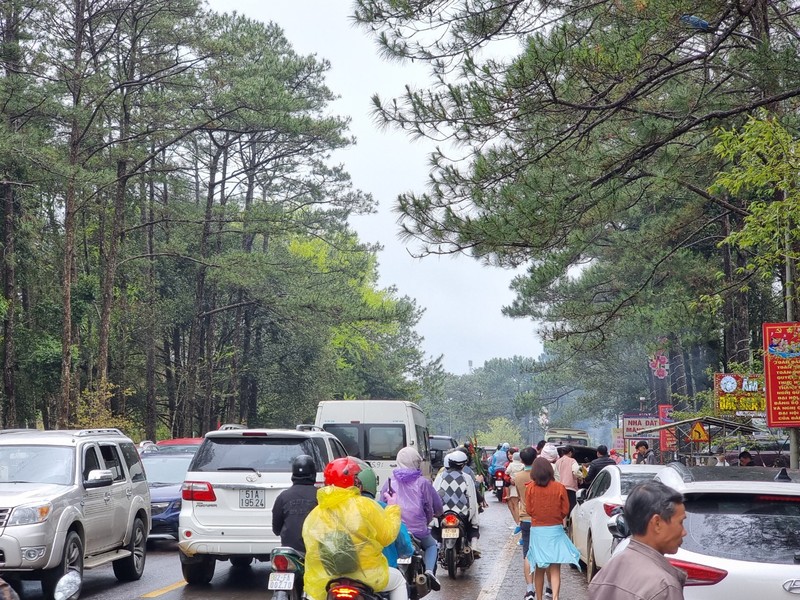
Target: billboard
[(632, 424), (739, 395), (667, 439), (782, 373)]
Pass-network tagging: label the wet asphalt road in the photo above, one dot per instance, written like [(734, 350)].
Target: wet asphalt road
[(496, 575)]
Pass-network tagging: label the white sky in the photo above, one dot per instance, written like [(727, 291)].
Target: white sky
[(462, 299)]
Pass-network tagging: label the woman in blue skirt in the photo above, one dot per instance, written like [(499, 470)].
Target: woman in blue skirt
[(548, 505)]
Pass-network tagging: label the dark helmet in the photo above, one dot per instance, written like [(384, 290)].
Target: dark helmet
[(304, 469)]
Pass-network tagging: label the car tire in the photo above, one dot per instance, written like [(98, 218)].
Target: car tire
[(198, 571), (591, 562), (131, 567), (72, 560), (241, 561)]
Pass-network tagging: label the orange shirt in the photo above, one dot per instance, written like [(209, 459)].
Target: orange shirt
[(547, 505)]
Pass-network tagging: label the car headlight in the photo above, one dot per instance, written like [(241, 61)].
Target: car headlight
[(29, 514)]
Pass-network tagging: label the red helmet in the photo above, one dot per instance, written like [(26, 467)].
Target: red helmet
[(342, 472)]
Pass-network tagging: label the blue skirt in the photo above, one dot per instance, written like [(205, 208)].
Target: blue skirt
[(550, 545)]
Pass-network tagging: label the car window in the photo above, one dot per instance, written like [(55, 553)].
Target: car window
[(166, 469), (270, 454), (629, 480), (37, 464), (133, 461), (441, 444), (752, 527), (383, 442), (600, 484), (338, 449), (323, 449), (90, 461), (348, 436), (112, 460), (422, 440)]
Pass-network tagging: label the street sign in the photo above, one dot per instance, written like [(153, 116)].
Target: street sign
[(633, 424), (699, 433)]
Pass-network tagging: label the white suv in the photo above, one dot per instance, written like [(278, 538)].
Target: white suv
[(230, 487), (69, 501)]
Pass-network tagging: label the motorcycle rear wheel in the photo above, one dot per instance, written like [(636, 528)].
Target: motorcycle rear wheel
[(450, 561)]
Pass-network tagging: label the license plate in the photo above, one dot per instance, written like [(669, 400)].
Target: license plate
[(450, 533), (280, 581), (404, 560), (499, 483), (252, 499)]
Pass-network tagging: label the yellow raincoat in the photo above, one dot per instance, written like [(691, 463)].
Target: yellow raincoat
[(369, 527)]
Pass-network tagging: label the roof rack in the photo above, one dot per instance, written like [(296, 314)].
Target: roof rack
[(308, 427), (103, 431)]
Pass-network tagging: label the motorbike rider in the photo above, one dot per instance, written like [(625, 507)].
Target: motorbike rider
[(293, 505), (345, 534), (499, 458), (419, 504), (457, 490)]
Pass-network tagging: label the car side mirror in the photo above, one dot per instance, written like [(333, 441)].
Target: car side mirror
[(98, 478), (579, 495), (618, 527)]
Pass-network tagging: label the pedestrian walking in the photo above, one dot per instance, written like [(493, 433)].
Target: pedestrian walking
[(569, 474), (598, 464), (654, 512)]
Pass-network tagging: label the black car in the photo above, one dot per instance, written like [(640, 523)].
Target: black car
[(439, 445)]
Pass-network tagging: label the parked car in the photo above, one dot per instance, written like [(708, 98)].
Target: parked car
[(165, 474), (588, 522), (179, 445), (72, 500), (439, 445), (742, 529), (229, 490)]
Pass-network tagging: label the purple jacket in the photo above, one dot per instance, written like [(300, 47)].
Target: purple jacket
[(418, 501)]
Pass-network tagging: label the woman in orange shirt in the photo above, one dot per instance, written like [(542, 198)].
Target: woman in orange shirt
[(547, 504)]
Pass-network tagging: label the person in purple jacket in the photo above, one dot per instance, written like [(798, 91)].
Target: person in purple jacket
[(419, 503)]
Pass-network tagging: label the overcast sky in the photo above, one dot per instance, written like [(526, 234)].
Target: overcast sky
[(462, 299)]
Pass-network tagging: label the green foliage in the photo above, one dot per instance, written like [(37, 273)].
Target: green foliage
[(498, 431)]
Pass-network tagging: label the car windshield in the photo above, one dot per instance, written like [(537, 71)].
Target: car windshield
[(629, 480), (441, 444), (751, 527), (37, 464), (260, 453), (170, 470)]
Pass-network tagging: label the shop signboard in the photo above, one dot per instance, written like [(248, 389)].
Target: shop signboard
[(782, 373), (634, 423)]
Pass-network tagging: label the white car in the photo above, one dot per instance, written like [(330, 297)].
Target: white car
[(588, 520), (742, 530), (230, 488)]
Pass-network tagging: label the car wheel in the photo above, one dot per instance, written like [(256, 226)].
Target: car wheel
[(591, 562), (72, 561), (131, 567), (198, 571), (241, 561)]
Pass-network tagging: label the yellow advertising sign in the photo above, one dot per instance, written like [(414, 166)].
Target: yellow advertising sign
[(739, 395)]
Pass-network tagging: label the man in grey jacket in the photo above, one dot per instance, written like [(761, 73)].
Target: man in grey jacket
[(644, 456), (654, 513)]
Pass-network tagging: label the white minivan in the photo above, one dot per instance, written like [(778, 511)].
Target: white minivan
[(376, 430)]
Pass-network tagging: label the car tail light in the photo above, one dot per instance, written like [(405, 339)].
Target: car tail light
[(609, 508), (344, 592), (699, 574), (280, 563), (198, 491), (450, 521)]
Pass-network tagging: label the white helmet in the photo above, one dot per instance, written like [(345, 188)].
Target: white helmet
[(457, 459)]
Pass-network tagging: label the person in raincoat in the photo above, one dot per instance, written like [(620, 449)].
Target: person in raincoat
[(346, 533), (419, 503)]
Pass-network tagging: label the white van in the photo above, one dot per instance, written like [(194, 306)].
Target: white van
[(376, 430)]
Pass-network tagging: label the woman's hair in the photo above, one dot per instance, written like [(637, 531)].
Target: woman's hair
[(649, 499), (542, 472)]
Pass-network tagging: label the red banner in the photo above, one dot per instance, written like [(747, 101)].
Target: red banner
[(782, 373), (667, 436)]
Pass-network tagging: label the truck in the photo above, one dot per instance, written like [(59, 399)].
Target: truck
[(561, 437)]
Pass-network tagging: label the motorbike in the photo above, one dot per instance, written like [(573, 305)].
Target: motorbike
[(500, 483), (286, 579), (454, 552), (413, 569)]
